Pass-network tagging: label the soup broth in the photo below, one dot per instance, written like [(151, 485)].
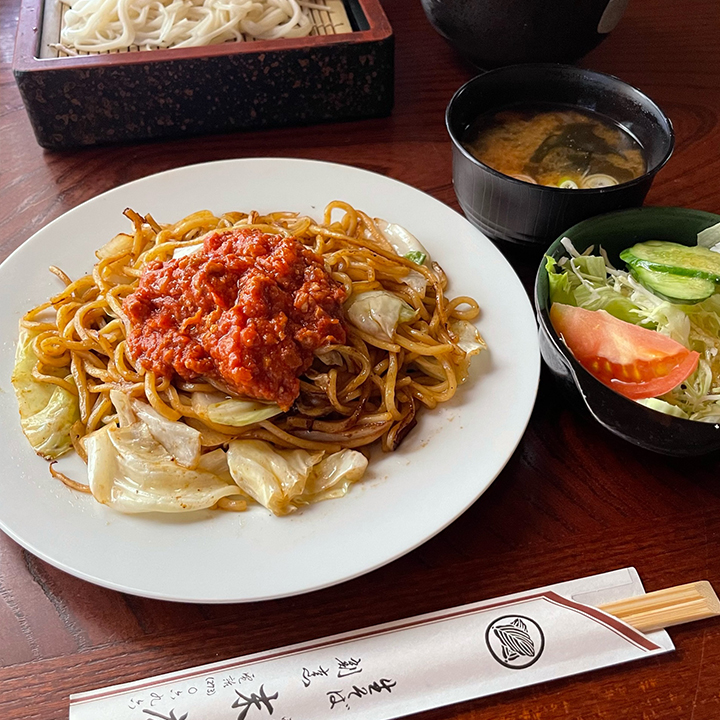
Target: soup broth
[(556, 146)]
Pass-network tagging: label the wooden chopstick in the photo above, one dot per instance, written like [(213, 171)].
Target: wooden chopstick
[(664, 608)]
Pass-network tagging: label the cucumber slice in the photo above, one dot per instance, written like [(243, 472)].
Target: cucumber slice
[(679, 289), (673, 258)]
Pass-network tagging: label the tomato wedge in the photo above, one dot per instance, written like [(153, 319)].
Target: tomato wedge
[(636, 362)]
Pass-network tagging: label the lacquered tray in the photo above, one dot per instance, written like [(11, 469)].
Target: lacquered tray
[(135, 95)]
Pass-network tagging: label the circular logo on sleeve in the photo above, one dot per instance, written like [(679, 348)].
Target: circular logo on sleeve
[(515, 641)]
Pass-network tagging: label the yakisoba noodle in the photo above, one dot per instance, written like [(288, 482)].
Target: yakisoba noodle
[(366, 390)]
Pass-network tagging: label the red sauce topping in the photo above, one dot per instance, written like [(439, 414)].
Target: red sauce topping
[(248, 309)]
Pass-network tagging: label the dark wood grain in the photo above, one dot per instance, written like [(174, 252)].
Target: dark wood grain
[(572, 501)]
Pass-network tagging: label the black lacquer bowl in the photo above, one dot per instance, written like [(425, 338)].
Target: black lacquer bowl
[(508, 209), (640, 425)]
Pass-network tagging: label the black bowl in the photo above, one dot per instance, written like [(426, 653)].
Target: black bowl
[(508, 209), (640, 425), (491, 33)]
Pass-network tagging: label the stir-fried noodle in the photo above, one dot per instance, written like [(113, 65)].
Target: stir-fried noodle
[(352, 395)]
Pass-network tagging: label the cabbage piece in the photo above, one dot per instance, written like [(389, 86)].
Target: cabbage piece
[(416, 281), (47, 412), (431, 366), (332, 477), (220, 409), (408, 246), (468, 336), (216, 463), (131, 472), (378, 313), (328, 356), (32, 396), (49, 430), (119, 247), (404, 243), (274, 478), (122, 402), (120, 244), (183, 250), (282, 480), (180, 440)]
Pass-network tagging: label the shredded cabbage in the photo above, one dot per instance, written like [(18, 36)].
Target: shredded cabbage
[(589, 283), (710, 238), (663, 407)]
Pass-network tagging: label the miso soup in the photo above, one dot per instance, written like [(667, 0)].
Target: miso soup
[(556, 146)]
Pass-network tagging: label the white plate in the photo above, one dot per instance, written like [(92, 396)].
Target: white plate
[(443, 466)]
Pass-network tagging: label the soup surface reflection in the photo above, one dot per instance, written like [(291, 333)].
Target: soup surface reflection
[(556, 146)]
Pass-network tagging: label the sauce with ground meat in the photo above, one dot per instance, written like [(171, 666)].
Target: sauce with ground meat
[(248, 309)]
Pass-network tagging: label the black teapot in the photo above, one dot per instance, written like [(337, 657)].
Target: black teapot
[(493, 33)]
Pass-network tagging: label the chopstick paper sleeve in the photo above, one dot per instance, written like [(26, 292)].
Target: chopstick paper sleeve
[(400, 668)]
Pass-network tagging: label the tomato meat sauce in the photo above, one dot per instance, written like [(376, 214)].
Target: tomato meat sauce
[(248, 309)]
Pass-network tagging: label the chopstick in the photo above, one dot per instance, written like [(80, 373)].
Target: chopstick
[(664, 608)]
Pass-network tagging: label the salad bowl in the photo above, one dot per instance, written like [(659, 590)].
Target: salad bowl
[(643, 426)]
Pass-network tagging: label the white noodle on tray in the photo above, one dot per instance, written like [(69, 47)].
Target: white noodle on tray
[(103, 25)]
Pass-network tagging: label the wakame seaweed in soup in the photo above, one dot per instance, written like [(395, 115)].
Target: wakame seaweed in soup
[(556, 146)]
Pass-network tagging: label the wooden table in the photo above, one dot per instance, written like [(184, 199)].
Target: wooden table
[(573, 500)]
